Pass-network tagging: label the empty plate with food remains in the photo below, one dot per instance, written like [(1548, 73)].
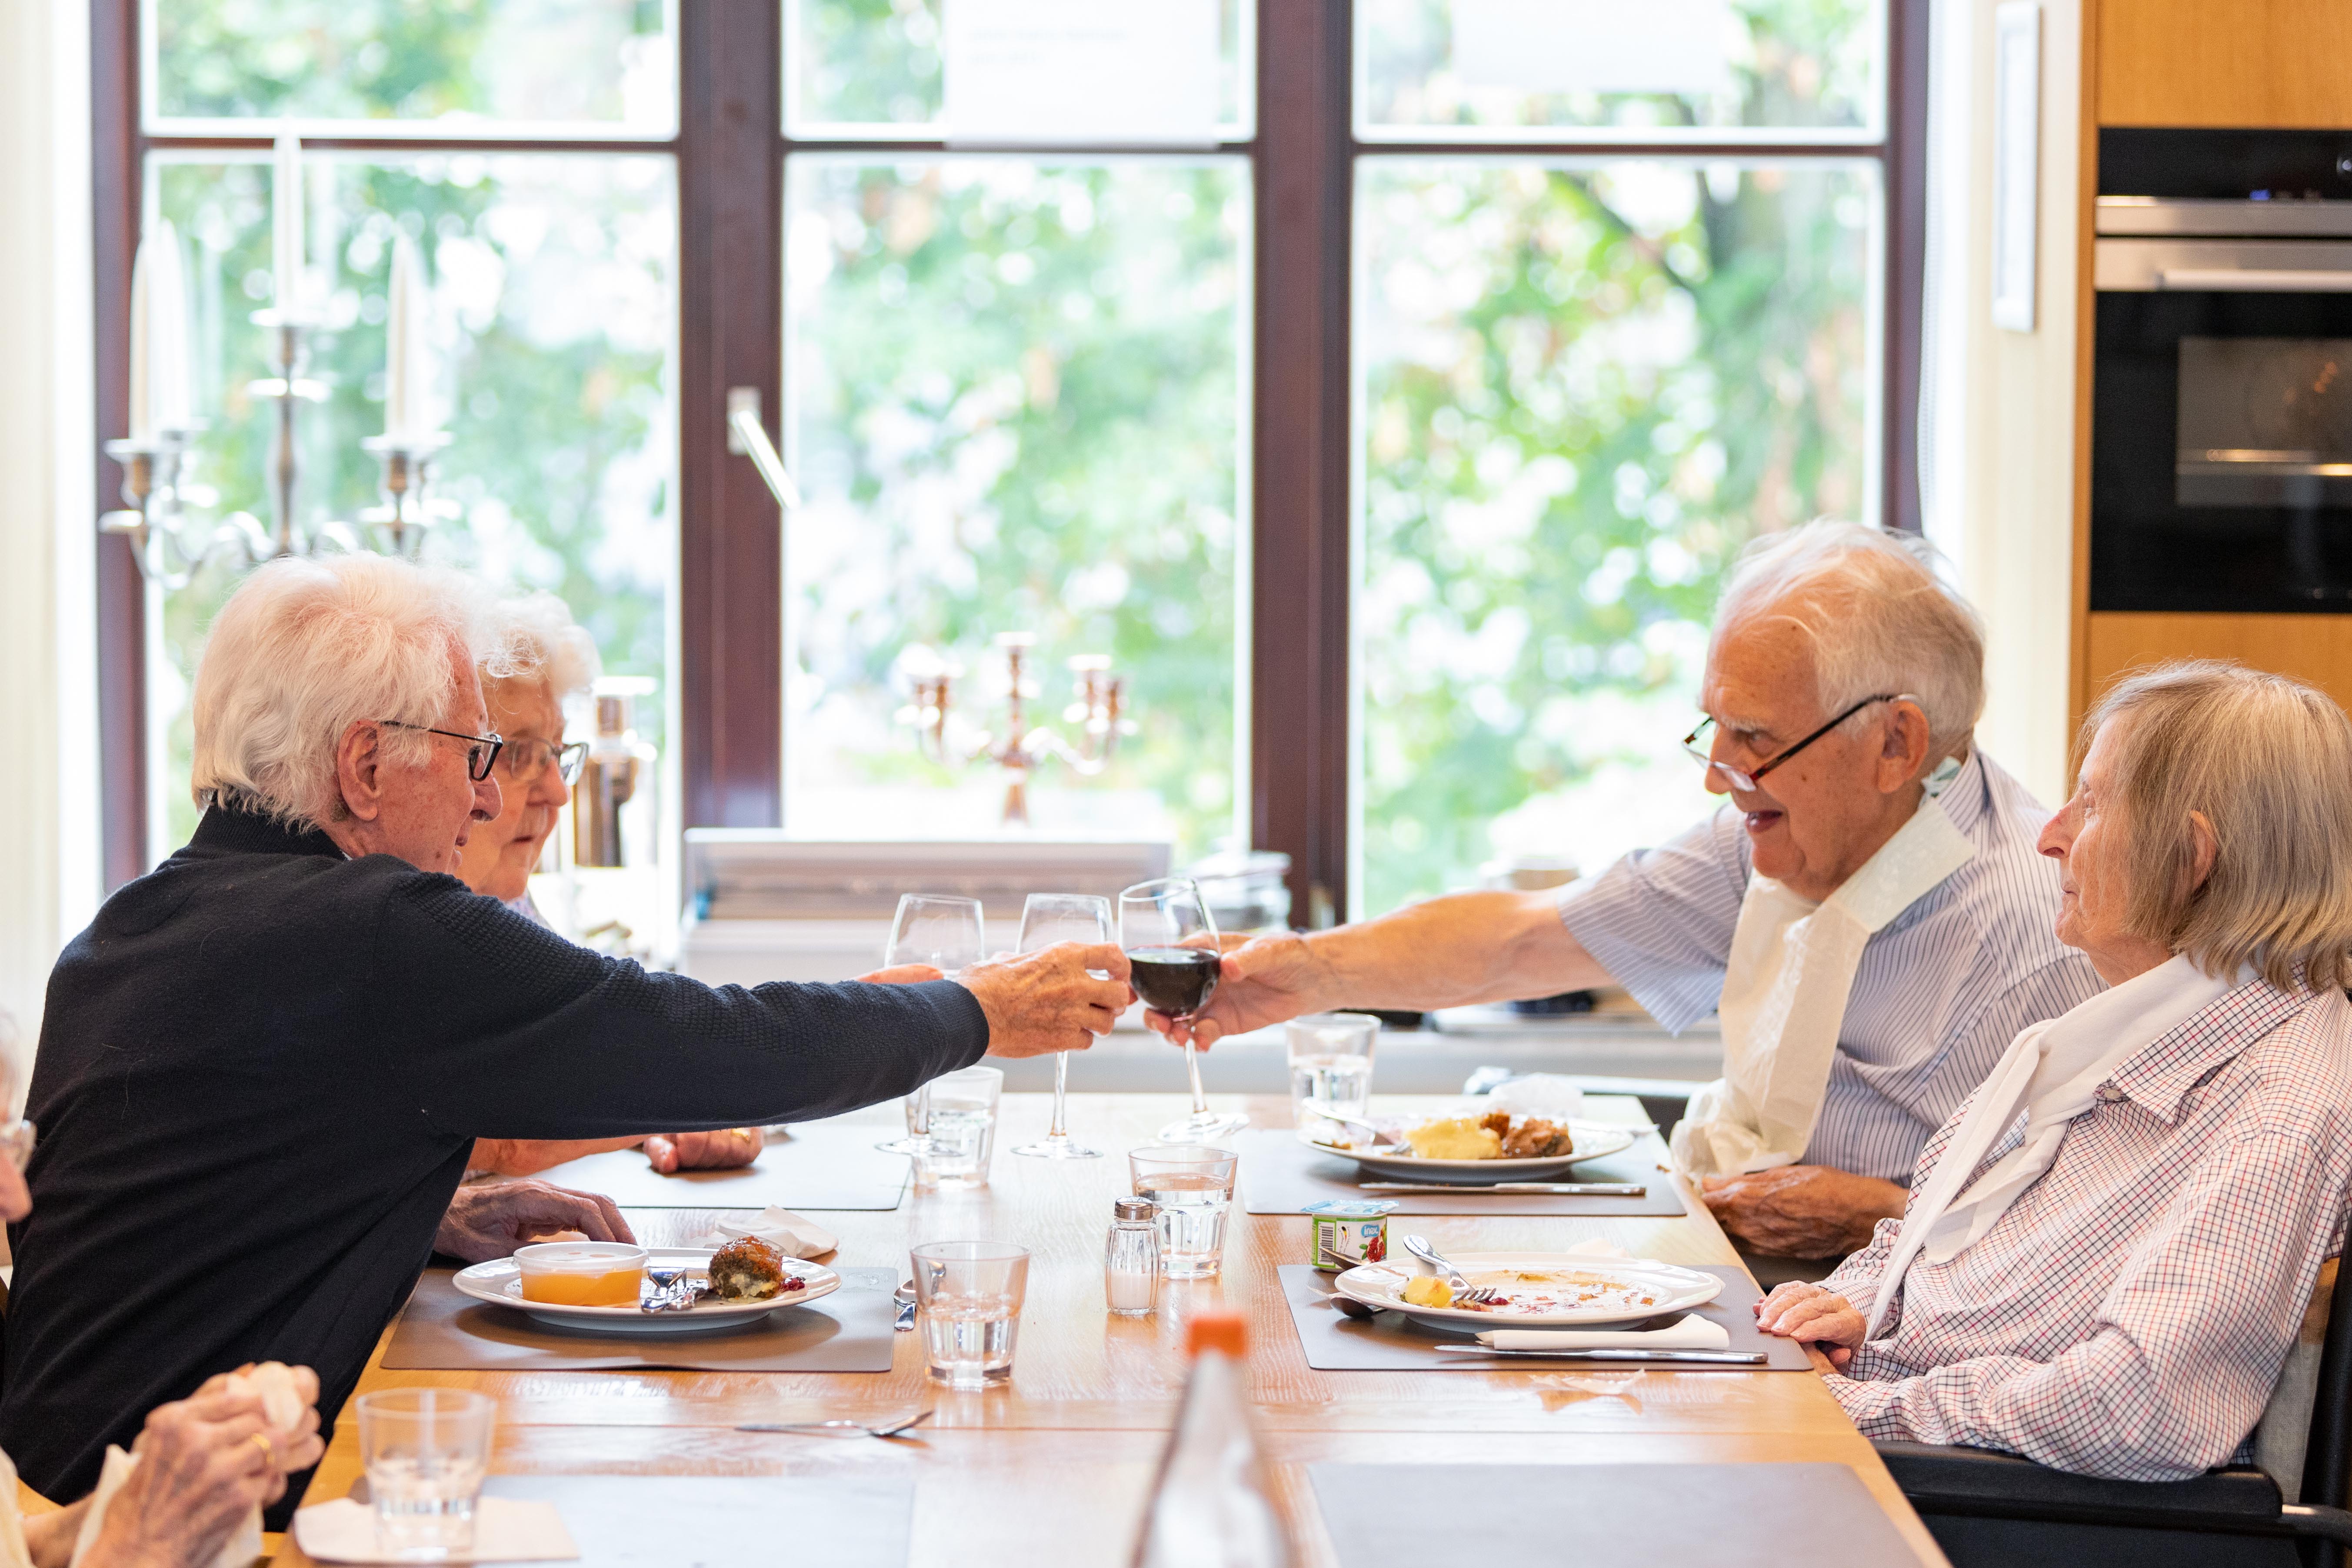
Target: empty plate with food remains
[(1470, 1146), (730, 1287), (1534, 1289)]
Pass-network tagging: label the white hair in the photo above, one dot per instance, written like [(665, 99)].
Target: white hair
[(535, 637), (306, 648), (1879, 618)]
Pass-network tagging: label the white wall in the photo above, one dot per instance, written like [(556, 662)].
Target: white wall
[(49, 866), (1999, 436)]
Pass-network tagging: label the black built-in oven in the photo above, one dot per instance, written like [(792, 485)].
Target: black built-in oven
[(2221, 392)]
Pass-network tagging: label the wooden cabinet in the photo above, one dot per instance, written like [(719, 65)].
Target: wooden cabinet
[(2317, 649), (2268, 63)]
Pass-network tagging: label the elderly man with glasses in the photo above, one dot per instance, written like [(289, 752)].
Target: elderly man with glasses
[(264, 1066), (1868, 917)]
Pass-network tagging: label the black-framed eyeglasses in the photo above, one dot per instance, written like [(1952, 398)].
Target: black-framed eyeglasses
[(481, 753), (527, 759), (1697, 743)]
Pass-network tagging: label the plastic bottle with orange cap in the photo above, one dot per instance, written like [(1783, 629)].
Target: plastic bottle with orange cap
[(1211, 1506)]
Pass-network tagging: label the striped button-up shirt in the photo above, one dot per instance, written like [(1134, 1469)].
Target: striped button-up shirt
[(1941, 990), (2128, 1314)]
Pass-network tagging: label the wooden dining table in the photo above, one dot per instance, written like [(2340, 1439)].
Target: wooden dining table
[(1055, 1465)]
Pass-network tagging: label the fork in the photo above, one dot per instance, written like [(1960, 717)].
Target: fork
[(1464, 1293), (842, 1428)]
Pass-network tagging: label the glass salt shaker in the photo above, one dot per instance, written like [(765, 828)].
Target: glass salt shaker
[(1131, 1260)]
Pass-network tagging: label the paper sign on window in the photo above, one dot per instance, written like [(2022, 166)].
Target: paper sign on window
[(1595, 45), (1059, 72)]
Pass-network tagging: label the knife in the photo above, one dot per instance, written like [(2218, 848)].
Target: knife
[(1562, 1189), (1704, 1358)]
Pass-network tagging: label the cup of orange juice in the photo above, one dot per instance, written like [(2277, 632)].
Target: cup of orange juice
[(582, 1273)]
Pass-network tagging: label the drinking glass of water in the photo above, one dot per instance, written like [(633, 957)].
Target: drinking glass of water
[(1331, 1061), (956, 1148), (1191, 1186), (946, 933), (968, 1297), (426, 1450)]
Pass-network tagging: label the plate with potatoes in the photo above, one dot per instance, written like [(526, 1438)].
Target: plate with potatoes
[(1471, 1147), (1533, 1289)]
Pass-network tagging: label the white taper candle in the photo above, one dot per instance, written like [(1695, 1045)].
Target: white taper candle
[(403, 330), (286, 236)]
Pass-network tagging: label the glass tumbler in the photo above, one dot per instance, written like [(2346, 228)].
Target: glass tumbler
[(1191, 1186), (962, 1137), (425, 1451), (968, 1297), (1331, 1061)]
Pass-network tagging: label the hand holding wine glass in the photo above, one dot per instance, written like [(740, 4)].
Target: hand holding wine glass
[(1046, 920), (1172, 946)]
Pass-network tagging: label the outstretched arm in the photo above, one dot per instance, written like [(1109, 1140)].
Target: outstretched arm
[(1444, 953)]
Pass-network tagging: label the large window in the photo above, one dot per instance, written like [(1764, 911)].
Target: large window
[(1382, 386), (1586, 377)]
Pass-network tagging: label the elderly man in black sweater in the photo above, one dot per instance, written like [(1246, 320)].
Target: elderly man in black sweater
[(263, 1065)]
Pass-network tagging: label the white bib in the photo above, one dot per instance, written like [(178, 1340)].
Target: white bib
[(1784, 994)]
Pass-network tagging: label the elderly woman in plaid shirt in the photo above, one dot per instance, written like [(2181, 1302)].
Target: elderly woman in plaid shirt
[(2105, 1253)]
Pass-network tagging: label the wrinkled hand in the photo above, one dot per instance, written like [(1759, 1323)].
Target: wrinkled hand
[(1801, 1211), (903, 974), (1040, 1003), (200, 1475), (1811, 1315), (720, 1151), (491, 1219), (1261, 981)]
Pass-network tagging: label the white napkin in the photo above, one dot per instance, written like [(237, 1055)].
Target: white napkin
[(794, 1236), (1693, 1334), (1544, 1094), (505, 1529), (273, 1383)]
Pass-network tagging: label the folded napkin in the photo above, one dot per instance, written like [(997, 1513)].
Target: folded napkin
[(794, 1236), (281, 1405), (505, 1529), (1693, 1334)]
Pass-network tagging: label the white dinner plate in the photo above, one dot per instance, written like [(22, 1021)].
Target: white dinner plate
[(500, 1282), (1594, 1141), (1644, 1289)]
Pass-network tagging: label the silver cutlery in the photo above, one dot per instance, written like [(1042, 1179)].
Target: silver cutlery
[(1329, 1112), (1702, 1358), (904, 1296), (1464, 1293), (1561, 1189), (842, 1428), (672, 1291)]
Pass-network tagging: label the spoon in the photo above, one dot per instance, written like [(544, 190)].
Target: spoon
[(1330, 1113), (1419, 1247)]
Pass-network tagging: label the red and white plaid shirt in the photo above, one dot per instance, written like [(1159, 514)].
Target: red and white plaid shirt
[(2128, 1314)]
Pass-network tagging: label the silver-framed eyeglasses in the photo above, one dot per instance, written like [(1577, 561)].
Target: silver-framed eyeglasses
[(1699, 743), (527, 759)]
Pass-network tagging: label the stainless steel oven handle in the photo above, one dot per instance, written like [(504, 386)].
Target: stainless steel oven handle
[(2254, 280)]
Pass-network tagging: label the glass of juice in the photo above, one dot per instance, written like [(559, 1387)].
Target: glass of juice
[(582, 1273)]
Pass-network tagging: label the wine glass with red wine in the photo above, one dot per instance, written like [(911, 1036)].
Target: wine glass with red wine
[(1171, 952)]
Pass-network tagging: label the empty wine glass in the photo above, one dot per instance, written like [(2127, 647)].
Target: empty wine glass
[(947, 933), (1046, 919), (1171, 952)]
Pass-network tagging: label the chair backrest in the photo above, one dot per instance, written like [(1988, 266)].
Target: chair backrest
[(2302, 1438)]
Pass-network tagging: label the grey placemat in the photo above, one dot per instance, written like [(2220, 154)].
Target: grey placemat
[(442, 1330), (1550, 1516), (819, 1165), (845, 1522), (1395, 1343), (1279, 1174)]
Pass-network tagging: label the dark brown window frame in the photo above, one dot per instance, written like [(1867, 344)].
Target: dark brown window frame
[(730, 151)]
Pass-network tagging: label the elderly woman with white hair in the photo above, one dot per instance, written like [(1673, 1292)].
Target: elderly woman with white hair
[(1866, 916), (2107, 1250), (264, 1066), (537, 660)]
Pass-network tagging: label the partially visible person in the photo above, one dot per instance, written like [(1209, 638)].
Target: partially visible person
[(537, 660), (1866, 915), (205, 1464), (2107, 1250), (264, 1066)]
